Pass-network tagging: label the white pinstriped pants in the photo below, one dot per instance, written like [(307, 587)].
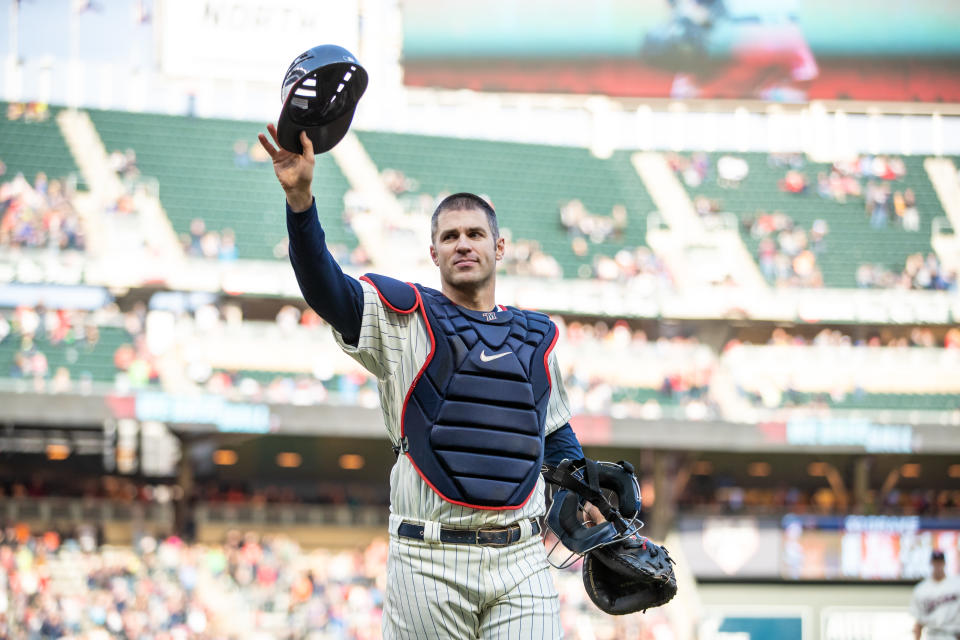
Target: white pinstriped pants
[(467, 592)]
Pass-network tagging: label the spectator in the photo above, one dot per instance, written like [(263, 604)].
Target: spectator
[(793, 182), (38, 215), (918, 273), (197, 230), (911, 217), (877, 203), (241, 154), (228, 246)]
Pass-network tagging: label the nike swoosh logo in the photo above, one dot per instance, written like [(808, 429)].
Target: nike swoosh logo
[(485, 358)]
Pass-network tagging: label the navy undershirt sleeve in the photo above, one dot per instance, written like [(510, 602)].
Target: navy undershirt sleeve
[(561, 444), (335, 296)]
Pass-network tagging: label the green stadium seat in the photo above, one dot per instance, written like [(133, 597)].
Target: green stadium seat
[(80, 358), (851, 240), (31, 147), (193, 161), (527, 183), (878, 401)]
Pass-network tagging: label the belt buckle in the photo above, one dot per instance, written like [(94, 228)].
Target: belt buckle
[(505, 530)]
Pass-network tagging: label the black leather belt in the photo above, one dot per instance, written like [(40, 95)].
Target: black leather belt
[(500, 537)]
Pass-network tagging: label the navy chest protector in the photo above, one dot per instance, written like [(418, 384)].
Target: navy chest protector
[(473, 420)]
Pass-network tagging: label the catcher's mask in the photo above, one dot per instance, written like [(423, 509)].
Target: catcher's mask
[(585, 480), (320, 92)]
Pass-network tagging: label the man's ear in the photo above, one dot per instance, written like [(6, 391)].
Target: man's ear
[(433, 256), (501, 247)]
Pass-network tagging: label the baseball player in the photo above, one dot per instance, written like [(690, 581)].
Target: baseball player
[(936, 603), (473, 403)]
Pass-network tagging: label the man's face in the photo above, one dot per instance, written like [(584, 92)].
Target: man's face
[(464, 248)]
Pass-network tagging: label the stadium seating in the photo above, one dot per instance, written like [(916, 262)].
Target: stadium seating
[(29, 147), (80, 358), (264, 378), (879, 401), (246, 586), (847, 377), (527, 183), (851, 240), (639, 395), (194, 161)]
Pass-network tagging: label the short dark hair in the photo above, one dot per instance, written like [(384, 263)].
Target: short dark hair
[(464, 201)]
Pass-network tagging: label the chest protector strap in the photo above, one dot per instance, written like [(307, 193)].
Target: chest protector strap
[(473, 419)]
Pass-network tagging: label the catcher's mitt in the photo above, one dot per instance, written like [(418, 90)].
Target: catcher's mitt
[(623, 572), (632, 574)]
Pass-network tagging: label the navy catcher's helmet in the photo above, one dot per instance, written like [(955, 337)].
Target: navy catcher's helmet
[(583, 480), (622, 572), (320, 92)]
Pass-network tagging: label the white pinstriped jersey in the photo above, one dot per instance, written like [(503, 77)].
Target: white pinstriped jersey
[(393, 347), (936, 605)]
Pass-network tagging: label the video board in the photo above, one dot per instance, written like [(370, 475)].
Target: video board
[(777, 50), (817, 548)]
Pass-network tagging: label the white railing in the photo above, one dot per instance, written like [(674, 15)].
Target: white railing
[(637, 298), (845, 368)]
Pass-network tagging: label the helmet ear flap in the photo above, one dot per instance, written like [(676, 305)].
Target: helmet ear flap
[(620, 479), (563, 520)]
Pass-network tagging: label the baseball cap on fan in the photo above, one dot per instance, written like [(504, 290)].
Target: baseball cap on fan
[(936, 555), (320, 92)]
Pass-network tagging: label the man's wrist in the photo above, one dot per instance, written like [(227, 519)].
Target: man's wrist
[(299, 201)]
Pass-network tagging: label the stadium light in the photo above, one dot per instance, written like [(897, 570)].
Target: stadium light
[(58, 452), (702, 468), (910, 470), (224, 457), (759, 469), (817, 469), (352, 461), (288, 460)]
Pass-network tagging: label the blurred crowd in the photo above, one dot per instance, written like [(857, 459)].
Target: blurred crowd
[(599, 381), (720, 494), (207, 243), (352, 388), (917, 337), (326, 383), (28, 111), (32, 336), (64, 585), (39, 214), (787, 253), (522, 257), (63, 350), (919, 272), (248, 587), (848, 392), (580, 223), (680, 377)]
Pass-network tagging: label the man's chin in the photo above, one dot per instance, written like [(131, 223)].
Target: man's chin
[(470, 279)]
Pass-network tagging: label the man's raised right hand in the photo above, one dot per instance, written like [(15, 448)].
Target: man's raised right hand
[(295, 172)]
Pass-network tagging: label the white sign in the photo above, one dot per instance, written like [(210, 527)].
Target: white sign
[(840, 623), (252, 40)]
